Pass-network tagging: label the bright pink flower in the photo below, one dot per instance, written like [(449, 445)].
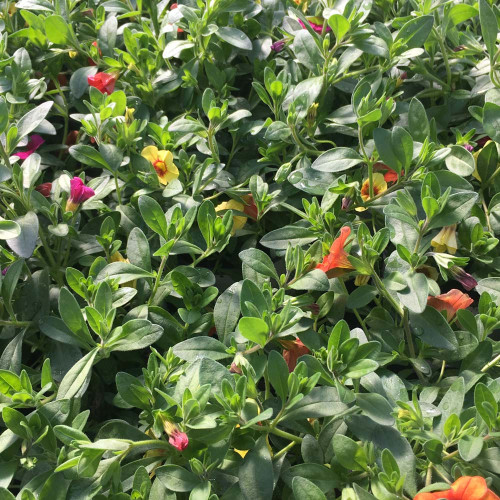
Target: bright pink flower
[(104, 82), (318, 28), (33, 144), (44, 189), (469, 147), (79, 193), (178, 440)]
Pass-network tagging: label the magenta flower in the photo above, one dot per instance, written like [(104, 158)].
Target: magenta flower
[(178, 440), (464, 278), (278, 46), (4, 271), (469, 147), (33, 144), (318, 28), (79, 193)]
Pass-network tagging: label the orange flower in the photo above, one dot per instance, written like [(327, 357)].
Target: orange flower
[(294, 349), (450, 302), (464, 488), (379, 186), (390, 175), (336, 262)]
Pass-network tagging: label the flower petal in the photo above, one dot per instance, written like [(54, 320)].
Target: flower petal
[(150, 153)]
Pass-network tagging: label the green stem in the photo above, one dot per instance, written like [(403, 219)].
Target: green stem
[(118, 193), (445, 58), (6, 322), (158, 279), (284, 451), (492, 363), (411, 346), (354, 310)]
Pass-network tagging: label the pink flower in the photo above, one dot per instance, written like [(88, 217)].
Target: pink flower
[(278, 46), (469, 147), (79, 193), (318, 28), (33, 144), (178, 440), (104, 82)]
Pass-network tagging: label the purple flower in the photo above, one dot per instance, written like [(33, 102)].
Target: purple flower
[(278, 46), (4, 271), (346, 202), (33, 144), (463, 277), (79, 193), (468, 147)]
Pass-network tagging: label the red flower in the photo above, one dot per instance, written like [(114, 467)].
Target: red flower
[(178, 440), (89, 59), (335, 263), (172, 7), (104, 82), (79, 193), (250, 207), (294, 350), (450, 302), (390, 175), (464, 488), (71, 138), (44, 189), (33, 144), (318, 28)]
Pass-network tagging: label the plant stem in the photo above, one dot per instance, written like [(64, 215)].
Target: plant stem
[(492, 363), (158, 279), (6, 322), (284, 451)]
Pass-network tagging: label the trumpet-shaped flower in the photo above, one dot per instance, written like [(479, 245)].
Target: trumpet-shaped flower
[(238, 220), (104, 82), (33, 144), (450, 302), (379, 186), (292, 352), (336, 262), (78, 194), (163, 163), (44, 189), (446, 240), (176, 438), (464, 488)]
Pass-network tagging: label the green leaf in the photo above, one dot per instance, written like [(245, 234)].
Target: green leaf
[(176, 478), (323, 477), (414, 33), (470, 447), (279, 239), (32, 119), (489, 27), (123, 272), (24, 244), (418, 122), (303, 489), (307, 52), (9, 282), (254, 329), (57, 30), (75, 382), (337, 160), (376, 407), (349, 454), (491, 115), (433, 329), (88, 156), (234, 37), (457, 208), (256, 478), (487, 161), (451, 404), (414, 297), (278, 374), (491, 286), (460, 161), (9, 229), (395, 148), (259, 262), (72, 316), (16, 422), (320, 402), (340, 26), (227, 310), (313, 280), (361, 296), (153, 215), (196, 347), (462, 12), (134, 334), (78, 82)]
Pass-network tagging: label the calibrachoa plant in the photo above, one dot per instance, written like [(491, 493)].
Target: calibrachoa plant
[(249, 249)]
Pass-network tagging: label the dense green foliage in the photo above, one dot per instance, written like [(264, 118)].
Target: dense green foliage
[(248, 248)]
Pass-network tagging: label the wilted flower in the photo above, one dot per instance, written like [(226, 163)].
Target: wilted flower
[(104, 82), (4, 270), (336, 262), (71, 138), (163, 163), (362, 279), (459, 48), (250, 207), (463, 277), (292, 352), (464, 488), (450, 302), (446, 239), (278, 46), (176, 438), (33, 144), (118, 257), (346, 202), (44, 189), (78, 194)]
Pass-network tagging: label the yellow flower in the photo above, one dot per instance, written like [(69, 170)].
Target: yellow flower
[(379, 186), (72, 53), (241, 453), (118, 257), (446, 240), (12, 8), (129, 115), (238, 220), (163, 163), (362, 279)]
